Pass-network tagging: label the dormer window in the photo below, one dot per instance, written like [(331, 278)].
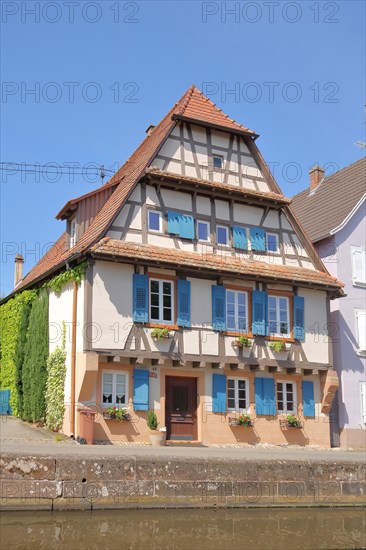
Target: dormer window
[(218, 162), (72, 233)]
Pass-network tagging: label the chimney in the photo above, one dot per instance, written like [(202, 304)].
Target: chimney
[(18, 270), (150, 129), (316, 174)]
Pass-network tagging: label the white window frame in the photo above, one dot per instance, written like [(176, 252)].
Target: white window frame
[(208, 231), (277, 298), (236, 293), (160, 221), (363, 401), (161, 320), (354, 250), (114, 385), (227, 234), (217, 155), (284, 410), (358, 313), (72, 232), (236, 393), (277, 251)]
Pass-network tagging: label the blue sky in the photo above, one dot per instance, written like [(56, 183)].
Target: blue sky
[(103, 71)]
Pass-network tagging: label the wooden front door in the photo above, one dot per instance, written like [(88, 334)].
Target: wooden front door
[(181, 406)]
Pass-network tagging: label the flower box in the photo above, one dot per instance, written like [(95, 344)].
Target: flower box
[(293, 423), (161, 333), (243, 342), (118, 415), (243, 421)]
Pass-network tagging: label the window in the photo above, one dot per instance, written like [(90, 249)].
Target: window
[(154, 221), (286, 397), (236, 311), (222, 234), (161, 301), (218, 162), (361, 329), (72, 233), (358, 265), (363, 401), (114, 389), (278, 315), (272, 242), (203, 231), (237, 394)]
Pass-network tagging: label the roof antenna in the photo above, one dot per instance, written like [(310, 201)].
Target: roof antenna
[(102, 173)]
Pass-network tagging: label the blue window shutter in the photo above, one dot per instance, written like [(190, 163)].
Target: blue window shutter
[(184, 303), (140, 390), (308, 403), (259, 312), (140, 298), (265, 399), (240, 237), (173, 222), (218, 393), (186, 227), (218, 307), (258, 238), (299, 317)]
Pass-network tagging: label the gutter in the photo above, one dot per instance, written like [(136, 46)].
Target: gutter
[(73, 356)]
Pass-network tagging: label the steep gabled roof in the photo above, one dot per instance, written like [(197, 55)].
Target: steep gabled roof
[(198, 107), (323, 210)]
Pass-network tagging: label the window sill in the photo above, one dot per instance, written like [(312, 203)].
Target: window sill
[(161, 325)]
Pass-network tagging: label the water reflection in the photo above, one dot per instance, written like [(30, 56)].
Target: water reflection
[(267, 529)]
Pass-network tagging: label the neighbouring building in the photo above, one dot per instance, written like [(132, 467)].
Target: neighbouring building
[(332, 211), (201, 293)]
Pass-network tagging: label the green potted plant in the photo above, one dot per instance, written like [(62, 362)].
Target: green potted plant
[(157, 436), (278, 346), (293, 421), (245, 421), (159, 333), (243, 342)]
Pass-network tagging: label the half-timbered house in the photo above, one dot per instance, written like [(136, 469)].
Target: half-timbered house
[(203, 297)]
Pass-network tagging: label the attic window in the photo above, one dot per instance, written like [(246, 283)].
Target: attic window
[(218, 162), (72, 233)]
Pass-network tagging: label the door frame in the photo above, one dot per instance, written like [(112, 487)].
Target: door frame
[(200, 385)]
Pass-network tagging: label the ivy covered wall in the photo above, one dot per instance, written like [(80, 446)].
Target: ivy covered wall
[(11, 326), (34, 371)]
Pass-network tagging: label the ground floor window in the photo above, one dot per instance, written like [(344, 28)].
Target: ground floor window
[(114, 389), (237, 394), (286, 397)]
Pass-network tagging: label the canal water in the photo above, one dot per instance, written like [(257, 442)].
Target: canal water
[(254, 529)]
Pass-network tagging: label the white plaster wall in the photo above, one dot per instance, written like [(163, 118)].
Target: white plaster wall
[(247, 215), (111, 304), (315, 345)]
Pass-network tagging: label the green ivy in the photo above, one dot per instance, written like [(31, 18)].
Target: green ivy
[(34, 370), (11, 327), (76, 274), (55, 387)]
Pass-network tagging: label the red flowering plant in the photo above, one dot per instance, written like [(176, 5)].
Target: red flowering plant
[(115, 413)]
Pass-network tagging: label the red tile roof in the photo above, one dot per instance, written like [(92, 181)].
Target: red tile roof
[(53, 257), (215, 262), (197, 106)]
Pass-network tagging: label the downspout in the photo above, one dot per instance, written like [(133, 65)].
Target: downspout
[(73, 356)]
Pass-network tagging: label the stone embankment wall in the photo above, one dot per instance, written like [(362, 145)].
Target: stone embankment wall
[(138, 482)]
